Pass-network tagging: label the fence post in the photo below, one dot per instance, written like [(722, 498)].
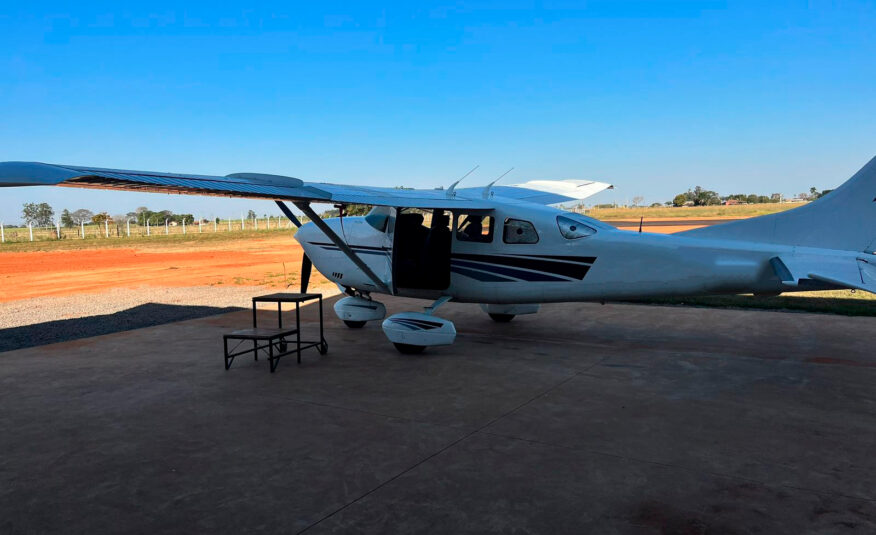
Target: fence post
[(58, 228), (128, 227), (229, 224), (106, 227), (82, 229), (148, 233), (30, 228), (215, 224), (2, 233), (242, 224), (166, 231), (200, 220)]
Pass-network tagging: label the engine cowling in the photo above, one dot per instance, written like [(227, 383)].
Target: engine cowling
[(359, 309), (419, 330)]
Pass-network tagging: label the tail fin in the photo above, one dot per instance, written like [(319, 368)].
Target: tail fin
[(843, 219)]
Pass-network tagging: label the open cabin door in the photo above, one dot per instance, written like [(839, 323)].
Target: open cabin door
[(421, 242)]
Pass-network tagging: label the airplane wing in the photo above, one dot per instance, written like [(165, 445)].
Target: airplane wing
[(249, 185), (276, 187), (550, 192)]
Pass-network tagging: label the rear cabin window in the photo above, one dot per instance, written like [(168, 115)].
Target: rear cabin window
[(474, 228), (572, 229), (519, 231)]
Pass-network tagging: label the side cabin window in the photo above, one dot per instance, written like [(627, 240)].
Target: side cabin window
[(476, 228), (572, 229), (519, 231)]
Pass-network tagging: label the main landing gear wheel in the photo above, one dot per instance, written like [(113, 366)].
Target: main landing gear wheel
[(355, 324), (502, 318), (409, 349)]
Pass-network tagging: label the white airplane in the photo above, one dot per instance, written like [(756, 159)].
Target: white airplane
[(508, 249)]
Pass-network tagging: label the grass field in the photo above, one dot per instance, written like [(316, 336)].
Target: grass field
[(690, 212), (158, 240)]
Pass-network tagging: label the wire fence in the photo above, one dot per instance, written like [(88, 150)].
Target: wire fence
[(132, 229)]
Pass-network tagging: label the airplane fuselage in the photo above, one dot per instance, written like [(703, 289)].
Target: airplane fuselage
[(609, 264)]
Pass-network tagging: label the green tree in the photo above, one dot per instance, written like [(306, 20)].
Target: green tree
[(704, 197), (39, 215), (679, 200), (67, 219), (99, 219), (251, 214)]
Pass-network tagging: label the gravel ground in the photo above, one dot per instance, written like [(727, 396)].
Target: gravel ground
[(46, 320)]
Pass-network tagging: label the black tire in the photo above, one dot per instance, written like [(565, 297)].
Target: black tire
[(355, 324), (322, 347), (502, 318), (409, 349)]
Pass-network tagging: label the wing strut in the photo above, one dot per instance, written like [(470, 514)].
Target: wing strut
[(285, 209), (342, 245)]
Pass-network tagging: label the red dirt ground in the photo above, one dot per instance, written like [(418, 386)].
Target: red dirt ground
[(256, 262)]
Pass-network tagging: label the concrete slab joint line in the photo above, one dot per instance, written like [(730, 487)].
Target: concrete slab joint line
[(439, 452)]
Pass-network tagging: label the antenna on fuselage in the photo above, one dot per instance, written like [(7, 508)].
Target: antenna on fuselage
[(451, 191), (486, 193)]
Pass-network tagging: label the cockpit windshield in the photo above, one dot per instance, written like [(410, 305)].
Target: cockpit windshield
[(378, 217)]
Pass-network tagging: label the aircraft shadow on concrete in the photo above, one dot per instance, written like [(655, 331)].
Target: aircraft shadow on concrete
[(146, 315)]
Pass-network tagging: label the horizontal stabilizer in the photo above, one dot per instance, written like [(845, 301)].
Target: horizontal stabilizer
[(843, 271)]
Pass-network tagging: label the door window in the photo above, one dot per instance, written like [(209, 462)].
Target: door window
[(476, 228), (519, 231)]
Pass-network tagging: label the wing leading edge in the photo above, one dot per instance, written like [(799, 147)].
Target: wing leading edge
[(255, 185)]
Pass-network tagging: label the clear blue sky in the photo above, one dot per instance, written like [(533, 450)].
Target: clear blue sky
[(655, 97)]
